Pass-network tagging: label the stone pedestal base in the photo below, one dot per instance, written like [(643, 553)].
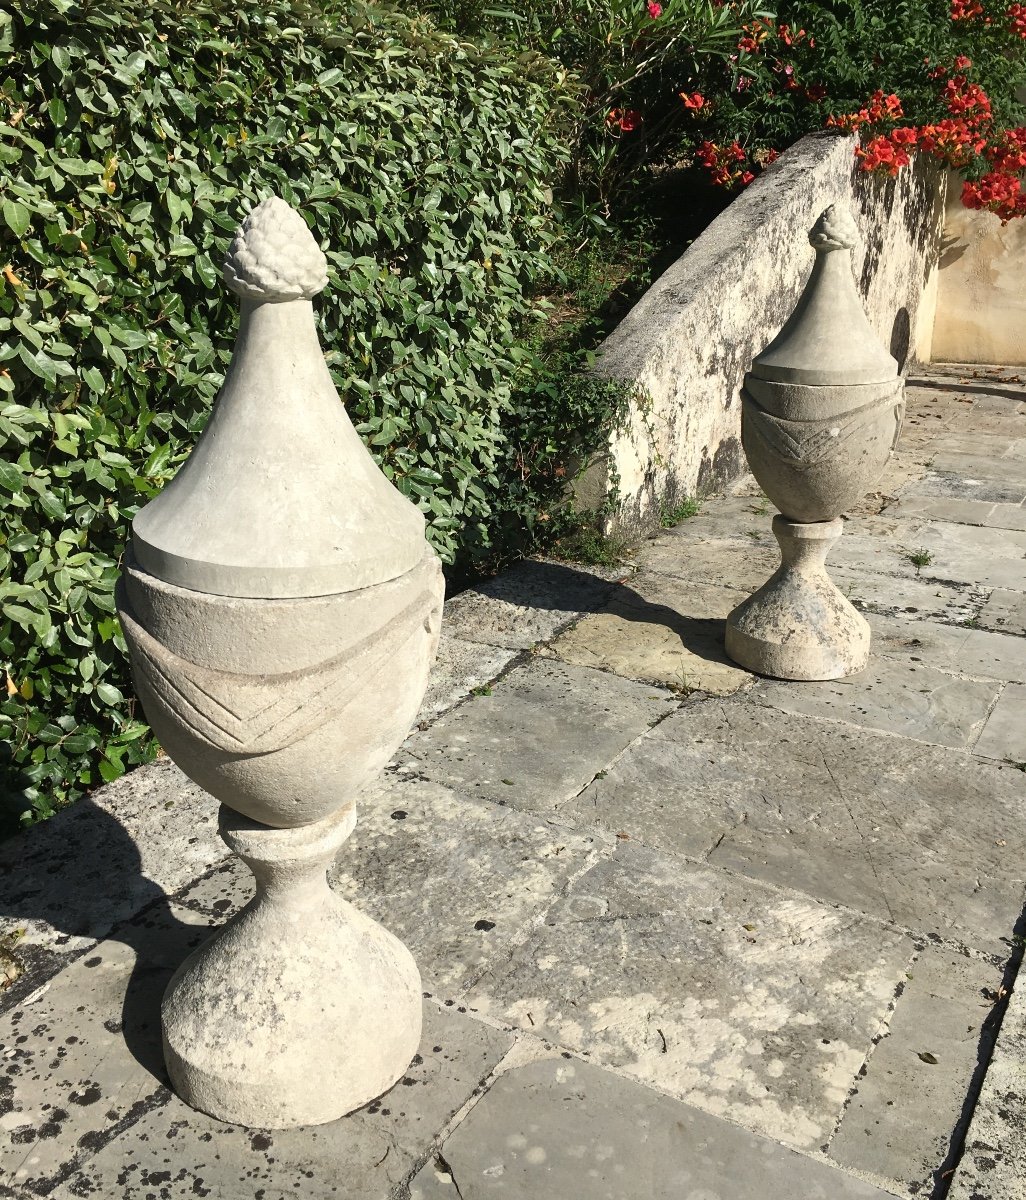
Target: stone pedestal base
[(301, 1008), (798, 625)]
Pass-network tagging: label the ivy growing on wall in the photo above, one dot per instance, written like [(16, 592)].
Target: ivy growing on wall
[(131, 145)]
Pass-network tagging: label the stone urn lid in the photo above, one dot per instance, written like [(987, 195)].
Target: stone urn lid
[(828, 339), (279, 497)]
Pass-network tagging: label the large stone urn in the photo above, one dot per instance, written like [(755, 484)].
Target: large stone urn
[(282, 607), (821, 412)]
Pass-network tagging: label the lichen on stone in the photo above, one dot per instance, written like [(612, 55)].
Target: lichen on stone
[(274, 256)]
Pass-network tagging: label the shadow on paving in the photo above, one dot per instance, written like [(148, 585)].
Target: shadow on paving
[(980, 387), (559, 587), (74, 888)]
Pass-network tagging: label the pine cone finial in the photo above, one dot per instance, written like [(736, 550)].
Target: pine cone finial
[(274, 256)]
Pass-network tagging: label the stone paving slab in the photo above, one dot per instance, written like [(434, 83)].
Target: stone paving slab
[(957, 650), (455, 879), (529, 603), (942, 508), (1004, 612), (992, 486), (843, 815), (904, 1121), (541, 735), (905, 698), (751, 1004), (558, 1129), (173, 1152), (984, 557), (459, 667), (1008, 516), (958, 553), (1004, 735), (662, 630), (71, 880), (909, 595), (980, 466), (994, 1163), (739, 564), (81, 1057)]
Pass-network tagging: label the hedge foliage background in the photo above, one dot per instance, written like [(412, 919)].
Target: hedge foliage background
[(131, 146)]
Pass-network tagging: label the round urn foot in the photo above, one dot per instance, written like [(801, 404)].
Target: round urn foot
[(799, 625), (301, 1008)]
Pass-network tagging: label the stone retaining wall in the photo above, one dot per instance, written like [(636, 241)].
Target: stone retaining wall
[(981, 304), (687, 343)]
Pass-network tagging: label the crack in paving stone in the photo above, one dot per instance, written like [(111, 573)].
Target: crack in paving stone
[(443, 1167)]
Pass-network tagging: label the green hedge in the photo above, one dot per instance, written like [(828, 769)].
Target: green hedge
[(131, 146)]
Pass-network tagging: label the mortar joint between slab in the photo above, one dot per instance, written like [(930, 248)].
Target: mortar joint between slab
[(882, 1030), (917, 936), (986, 1050), (611, 764), (481, 1089), (973, 742)]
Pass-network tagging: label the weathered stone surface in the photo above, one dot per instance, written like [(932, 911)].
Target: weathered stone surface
[(234, 698), (661, 630), (279, 497), (457, 880), (428, 864), (1005, 611), (734, 562), (799, 625), (540, 737), (301, 1008), (813, 468), (972, 652), (962, 486), (173, 1152), (850, 817), (560, 1128), (958, 553), (985, 462), (899, 595), (529, 603), (994, 1162), (827, 340), (902, 1122), (886, 556), (68, 882), (1008, 516), (750, 1004), (82, 1055), (943, 508), (904, 698), (1004, 735), (459, 667)]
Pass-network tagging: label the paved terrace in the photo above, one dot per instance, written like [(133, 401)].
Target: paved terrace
[(683, 932)]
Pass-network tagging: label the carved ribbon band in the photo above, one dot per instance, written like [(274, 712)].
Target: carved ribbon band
[(257, 714)]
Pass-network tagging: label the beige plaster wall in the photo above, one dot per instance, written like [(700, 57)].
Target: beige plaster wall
[(686, 345), (981, 288)]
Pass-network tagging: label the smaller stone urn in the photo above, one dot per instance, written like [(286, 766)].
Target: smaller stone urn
[(821, 410), (282, 608)]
